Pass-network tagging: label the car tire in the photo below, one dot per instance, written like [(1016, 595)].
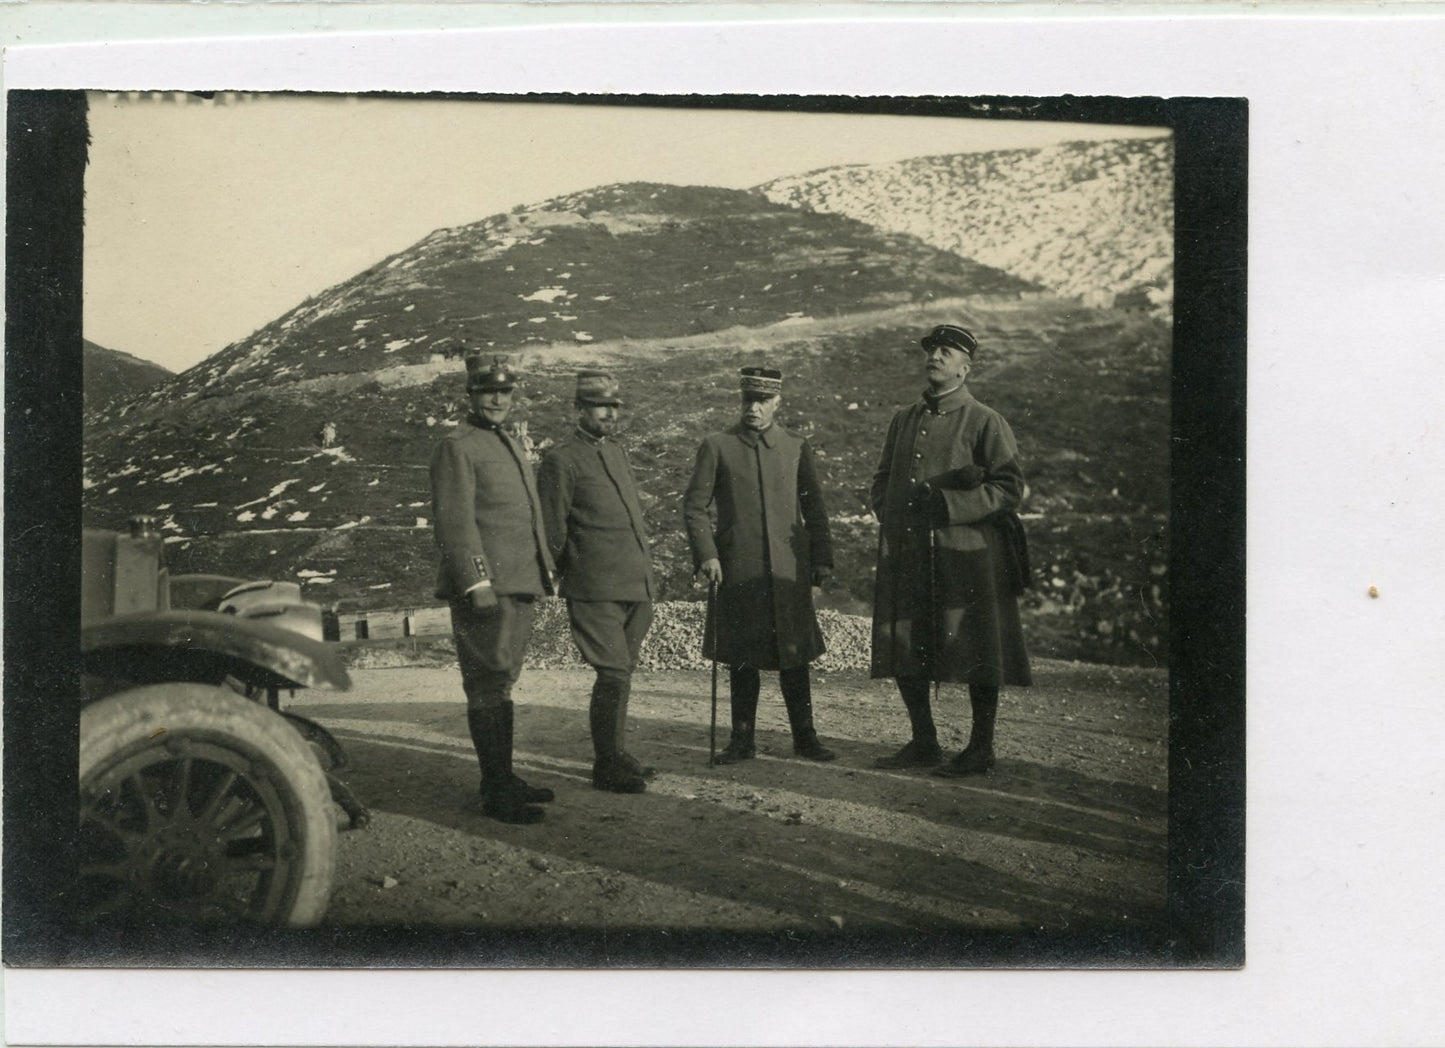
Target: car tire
[(200, 806)]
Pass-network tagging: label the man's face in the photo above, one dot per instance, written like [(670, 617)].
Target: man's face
[(945, 366), (600, 420), (493, 405), (758, 411)]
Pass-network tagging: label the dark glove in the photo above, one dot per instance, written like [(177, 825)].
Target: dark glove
[(821, 574), (482, 598), (964, 478), (926, 505)]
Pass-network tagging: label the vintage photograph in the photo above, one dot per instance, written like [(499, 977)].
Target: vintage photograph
[(696, 531)]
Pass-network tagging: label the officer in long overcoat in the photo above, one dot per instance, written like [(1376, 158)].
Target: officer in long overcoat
[(759, 530), (494, 565), (951, 559), (598, 540)]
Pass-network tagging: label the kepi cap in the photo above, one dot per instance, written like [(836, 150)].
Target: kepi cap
[(597, 387), (767, 382), (488, 375), (953, 336)]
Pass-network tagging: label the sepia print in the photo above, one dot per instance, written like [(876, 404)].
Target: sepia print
[(323, 725)]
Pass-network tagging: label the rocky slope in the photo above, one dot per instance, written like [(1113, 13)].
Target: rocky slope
[(1092, 219)]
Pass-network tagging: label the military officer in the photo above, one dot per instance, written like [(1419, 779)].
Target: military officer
[(598, 540), (767, 548), (494, 565), (951, 561)]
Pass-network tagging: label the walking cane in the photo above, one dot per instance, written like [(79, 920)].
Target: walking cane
[(711, 628), (933, 615)]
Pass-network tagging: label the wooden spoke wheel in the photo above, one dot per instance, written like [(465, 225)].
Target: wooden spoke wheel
[(200, 806)]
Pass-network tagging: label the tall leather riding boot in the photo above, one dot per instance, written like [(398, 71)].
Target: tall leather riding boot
[(608, 770), (624, 692), (530, 794), (491, 735), (796, 685), (744, 683), (922, 751), (984, 700), (977, 756)]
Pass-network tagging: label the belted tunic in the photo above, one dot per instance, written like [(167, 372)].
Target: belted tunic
[(487, 516), (594, 523)]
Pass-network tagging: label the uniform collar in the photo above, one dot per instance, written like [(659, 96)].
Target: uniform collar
[(751, 437), (588, 438), (951, 401)]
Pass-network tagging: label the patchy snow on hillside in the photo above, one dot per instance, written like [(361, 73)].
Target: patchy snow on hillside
[(1081, 218), (271, 494)]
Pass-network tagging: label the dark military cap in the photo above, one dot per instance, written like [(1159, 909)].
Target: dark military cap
[(488, 375), (952, 336), (597, 387), (763, 382)]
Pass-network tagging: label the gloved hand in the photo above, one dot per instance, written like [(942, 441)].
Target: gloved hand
[(482, 598), (964, 478), (921, 501), (821, 574), (711, 569)]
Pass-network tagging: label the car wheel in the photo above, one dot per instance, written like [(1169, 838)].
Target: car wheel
[(200, 806)]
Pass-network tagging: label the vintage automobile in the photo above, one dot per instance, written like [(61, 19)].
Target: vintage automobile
[(201, 801)]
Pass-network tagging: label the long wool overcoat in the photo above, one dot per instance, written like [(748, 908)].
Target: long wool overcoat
[(962, 624), (754, 503)]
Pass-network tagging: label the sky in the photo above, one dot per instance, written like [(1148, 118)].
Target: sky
[(206, 220)]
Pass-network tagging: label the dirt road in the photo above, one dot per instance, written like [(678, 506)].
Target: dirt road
[(1070, 826)]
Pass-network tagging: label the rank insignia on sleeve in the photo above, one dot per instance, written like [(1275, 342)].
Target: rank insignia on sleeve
[(481, 566)]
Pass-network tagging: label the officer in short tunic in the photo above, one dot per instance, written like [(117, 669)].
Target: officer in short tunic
[(494, 565), (951, 556), (598, 540), (767, 548)]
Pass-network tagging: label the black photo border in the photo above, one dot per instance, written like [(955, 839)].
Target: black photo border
[(1206, 859)]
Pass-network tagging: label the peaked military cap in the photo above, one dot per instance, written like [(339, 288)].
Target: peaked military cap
[(952, 336), (767, 382), (597, 387), (485, 375)]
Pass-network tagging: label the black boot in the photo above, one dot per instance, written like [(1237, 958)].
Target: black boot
[(977, 757), (631, 763), (743, 686), (529, 794), (922, 751), (608, 770), (500, 798), (797, 691)]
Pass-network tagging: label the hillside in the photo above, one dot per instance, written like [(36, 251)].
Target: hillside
[(1090, 219), (110, 376), (674, 288), (620, 262)]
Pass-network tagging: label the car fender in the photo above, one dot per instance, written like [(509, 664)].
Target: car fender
[(208, 647)]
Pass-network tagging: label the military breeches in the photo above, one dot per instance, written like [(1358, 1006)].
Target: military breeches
[(491, 645), (609, 633)]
